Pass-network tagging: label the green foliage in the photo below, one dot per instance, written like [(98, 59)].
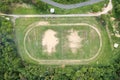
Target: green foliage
[(6, 6), (9, 62), (118, 28), (116, 64), (116, 9), (96, 8), (41, 5), (69, 1)]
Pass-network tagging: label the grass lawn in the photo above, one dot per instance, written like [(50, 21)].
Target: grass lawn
[(23, 10), (104, 56)]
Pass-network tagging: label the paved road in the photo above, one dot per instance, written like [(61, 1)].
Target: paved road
[(71, 6)]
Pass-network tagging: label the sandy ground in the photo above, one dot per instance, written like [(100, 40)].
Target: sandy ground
[(42, 23), (117, 35), (74, 40), (49, 41)]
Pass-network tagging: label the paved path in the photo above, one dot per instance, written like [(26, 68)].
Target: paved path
[(71, 6)]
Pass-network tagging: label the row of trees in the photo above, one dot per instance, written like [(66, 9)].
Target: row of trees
[(116, 9), (116, 12), (9, 62), (13, 68), (69, 1)]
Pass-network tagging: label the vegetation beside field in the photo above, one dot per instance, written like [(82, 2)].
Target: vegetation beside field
[(39, 7), (69, 1)]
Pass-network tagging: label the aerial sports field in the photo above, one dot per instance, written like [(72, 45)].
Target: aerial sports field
[(60, 40)]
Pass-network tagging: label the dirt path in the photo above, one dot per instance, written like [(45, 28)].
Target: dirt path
[(71, 6)]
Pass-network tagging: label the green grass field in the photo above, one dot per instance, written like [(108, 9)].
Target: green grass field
[(89, 48), (63, 52)]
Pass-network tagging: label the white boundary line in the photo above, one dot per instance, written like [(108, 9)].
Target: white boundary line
[(84, 61)]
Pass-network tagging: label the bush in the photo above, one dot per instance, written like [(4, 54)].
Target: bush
[(69, 1)]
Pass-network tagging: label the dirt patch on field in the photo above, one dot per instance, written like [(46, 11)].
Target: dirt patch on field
[(49, 41), (43, 23), (74, 40)]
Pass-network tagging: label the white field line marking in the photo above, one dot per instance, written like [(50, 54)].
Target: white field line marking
[(63, 61)]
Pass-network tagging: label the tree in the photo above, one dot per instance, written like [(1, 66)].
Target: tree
[(96, 8)]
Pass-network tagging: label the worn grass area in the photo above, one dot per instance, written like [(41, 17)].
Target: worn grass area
[(22, 26)]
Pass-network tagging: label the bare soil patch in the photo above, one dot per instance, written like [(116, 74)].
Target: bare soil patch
[(74, 40), (43, 23), (49, 41)]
